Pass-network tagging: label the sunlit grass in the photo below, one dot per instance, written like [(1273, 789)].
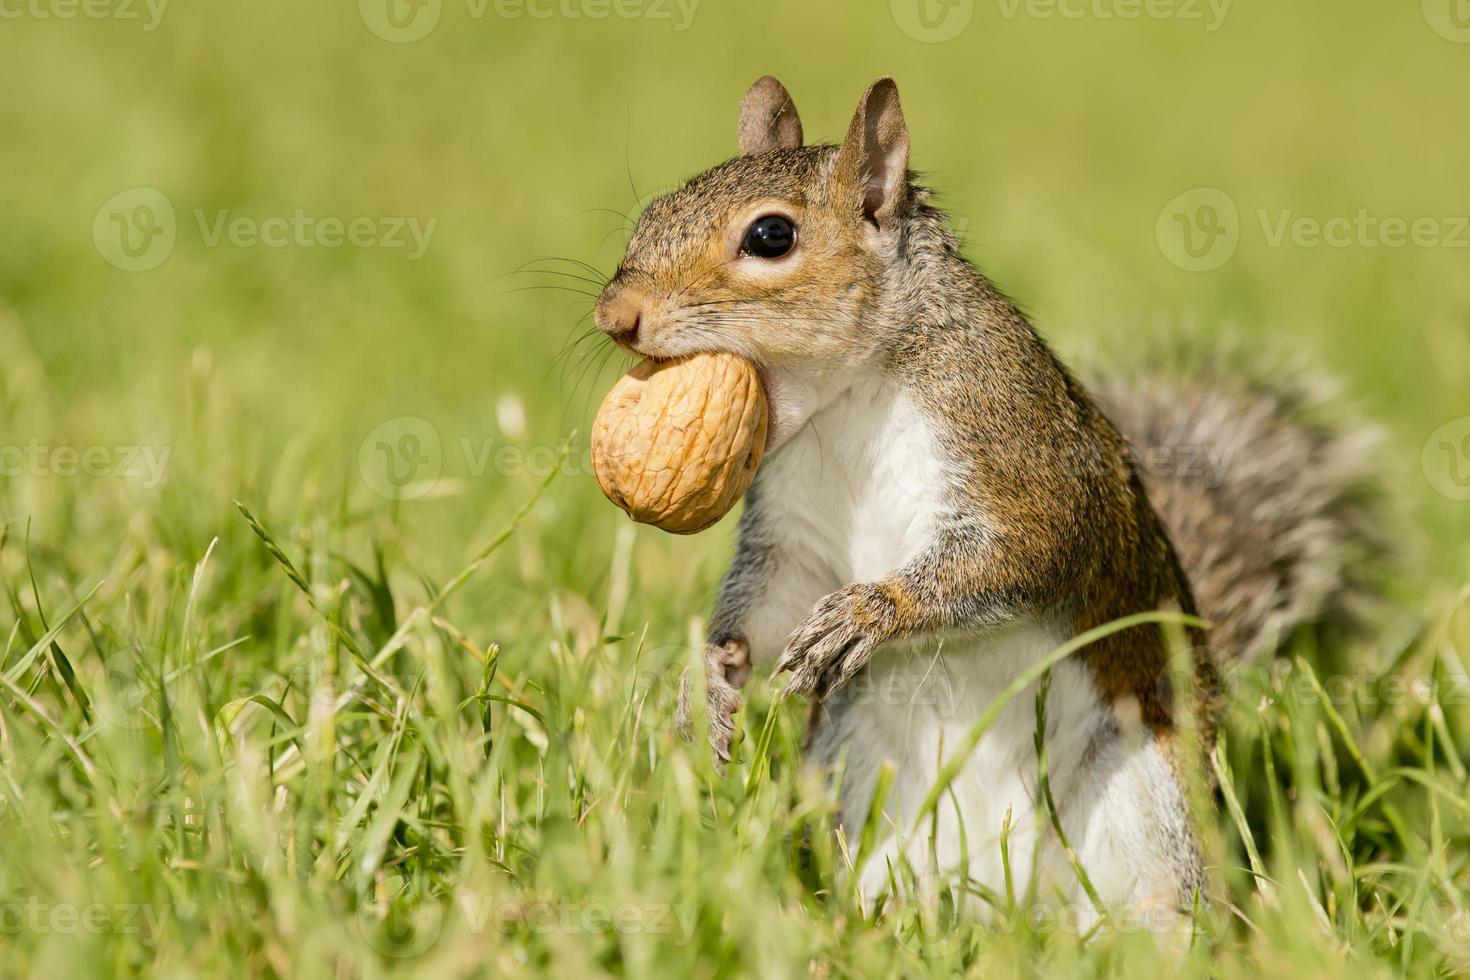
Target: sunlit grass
[(263, 713)]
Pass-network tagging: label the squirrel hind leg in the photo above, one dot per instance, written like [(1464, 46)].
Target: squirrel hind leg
[(1262, 479)]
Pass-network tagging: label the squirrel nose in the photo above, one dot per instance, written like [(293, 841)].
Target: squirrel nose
[(619, 315)]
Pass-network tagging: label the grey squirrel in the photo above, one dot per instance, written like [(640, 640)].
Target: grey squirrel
[(942, 504)]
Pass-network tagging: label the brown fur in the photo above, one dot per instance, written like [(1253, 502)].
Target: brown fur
[(1051, 516)]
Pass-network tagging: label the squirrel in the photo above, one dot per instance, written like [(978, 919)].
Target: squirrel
[(942, 504)]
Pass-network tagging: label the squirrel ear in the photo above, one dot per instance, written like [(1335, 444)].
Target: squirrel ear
[(874, 157), (768, 119)]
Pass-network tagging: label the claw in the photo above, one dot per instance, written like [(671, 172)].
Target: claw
[(834, 642)]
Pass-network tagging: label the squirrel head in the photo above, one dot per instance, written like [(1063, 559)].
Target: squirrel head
[(778, 255)]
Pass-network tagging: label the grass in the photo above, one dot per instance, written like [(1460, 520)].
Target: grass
[(270, 709)]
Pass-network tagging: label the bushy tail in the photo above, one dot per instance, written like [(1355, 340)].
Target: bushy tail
[(1269, 500)]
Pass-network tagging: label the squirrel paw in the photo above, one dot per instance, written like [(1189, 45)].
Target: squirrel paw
[(836, 639), (726, 669)]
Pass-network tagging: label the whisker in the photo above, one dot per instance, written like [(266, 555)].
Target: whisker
[(586, 266), (621, 229), (563, 357), (565, 289), (526, 267), (599, 283), (614, 211)]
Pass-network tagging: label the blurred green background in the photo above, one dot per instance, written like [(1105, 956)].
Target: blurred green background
[(1075, 141), (521, 130)]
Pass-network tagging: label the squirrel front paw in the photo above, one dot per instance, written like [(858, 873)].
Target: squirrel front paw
[(726, 669), (836, 639)]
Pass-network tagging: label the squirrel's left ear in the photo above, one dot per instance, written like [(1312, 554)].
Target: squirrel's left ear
[(874, 158), (768, 119)]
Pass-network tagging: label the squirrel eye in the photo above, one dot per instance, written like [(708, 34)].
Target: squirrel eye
[(769, 237)]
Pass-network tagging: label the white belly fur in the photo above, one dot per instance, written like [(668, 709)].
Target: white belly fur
[(855, 494)]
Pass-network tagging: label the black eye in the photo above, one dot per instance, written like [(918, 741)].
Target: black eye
[(769, 237)]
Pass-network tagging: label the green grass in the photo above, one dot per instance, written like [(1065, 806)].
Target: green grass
[(329, 732)]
